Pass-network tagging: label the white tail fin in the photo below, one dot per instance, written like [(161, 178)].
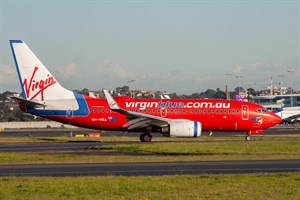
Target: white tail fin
[(36, 81)]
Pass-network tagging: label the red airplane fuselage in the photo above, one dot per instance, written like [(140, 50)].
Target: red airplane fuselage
[(214, 115)]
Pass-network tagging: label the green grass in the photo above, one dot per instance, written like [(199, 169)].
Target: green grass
[(259, 148), (276, 186), (263, 148)]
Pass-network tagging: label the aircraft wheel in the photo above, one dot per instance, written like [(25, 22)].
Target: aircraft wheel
[(146, 137), (247, 138)]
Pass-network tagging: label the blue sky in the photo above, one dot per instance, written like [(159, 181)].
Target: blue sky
[(177, 46)]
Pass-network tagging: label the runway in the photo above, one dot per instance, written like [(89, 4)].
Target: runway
[(73, 146), (151, 169), (55, 146), (133, 169)]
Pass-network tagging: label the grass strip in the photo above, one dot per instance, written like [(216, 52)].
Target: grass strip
[(211, 148), (275, 186), (260, 149)]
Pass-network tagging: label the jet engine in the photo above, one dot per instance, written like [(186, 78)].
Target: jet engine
[(183, 128)]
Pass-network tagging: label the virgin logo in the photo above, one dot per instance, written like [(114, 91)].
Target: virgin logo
[(36, 87)]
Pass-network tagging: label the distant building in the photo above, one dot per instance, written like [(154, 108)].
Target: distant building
[(286, 100), (122, 91)]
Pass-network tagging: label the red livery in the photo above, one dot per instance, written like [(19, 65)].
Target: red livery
[(45, 97)]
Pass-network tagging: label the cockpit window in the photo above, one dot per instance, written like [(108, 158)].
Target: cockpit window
[(261, 110)]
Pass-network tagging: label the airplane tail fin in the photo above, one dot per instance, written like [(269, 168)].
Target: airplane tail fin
[(36, 81), (239, 98)]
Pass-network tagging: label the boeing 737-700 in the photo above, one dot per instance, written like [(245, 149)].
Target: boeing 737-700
[(45, 97)]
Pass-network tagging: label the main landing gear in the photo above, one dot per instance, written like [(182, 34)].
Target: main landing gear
[(146, 137)]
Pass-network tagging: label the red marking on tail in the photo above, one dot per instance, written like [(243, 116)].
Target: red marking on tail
[(37, 86)]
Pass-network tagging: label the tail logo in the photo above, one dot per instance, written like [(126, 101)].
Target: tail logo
[(36, 87)]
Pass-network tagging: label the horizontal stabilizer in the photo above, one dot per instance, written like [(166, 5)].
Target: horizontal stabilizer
[(27, 102)]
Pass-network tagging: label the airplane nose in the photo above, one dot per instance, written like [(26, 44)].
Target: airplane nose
[(276, 119)]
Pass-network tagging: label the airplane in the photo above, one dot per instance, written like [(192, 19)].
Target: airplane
[(287, 114), (43, 96)]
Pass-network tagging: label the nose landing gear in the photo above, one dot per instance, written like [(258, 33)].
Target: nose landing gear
[(252, 132), (248, 138)]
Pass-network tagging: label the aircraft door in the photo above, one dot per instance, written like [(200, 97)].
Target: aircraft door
[(163, 112), (69, 112), (245, 112)]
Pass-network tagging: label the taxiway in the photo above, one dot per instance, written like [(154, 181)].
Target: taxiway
[(150, 168)]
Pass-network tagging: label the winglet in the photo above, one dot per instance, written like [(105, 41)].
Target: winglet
[(111, 102)]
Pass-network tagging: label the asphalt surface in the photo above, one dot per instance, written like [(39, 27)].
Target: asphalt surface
[(34, 147), (150, 169), (73, 146), (131, 169)]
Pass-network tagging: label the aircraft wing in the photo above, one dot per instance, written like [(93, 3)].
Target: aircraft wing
[(135, 119), (288, 113), (27, 102)]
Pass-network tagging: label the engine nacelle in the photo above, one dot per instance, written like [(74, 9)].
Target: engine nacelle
[(184, 128)]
